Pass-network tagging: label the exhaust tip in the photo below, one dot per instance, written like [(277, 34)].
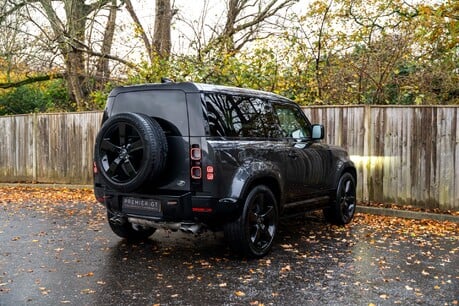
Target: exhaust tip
[(191, 228), (118, 219)]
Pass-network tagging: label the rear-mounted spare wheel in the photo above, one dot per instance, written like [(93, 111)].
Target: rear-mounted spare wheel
[(130, 151)]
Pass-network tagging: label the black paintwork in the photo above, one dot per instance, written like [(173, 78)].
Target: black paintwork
[(302, 172)]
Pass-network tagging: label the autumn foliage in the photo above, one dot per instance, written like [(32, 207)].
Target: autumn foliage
[(315, 52)]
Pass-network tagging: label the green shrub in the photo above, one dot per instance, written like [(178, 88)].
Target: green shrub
[(36, 98)]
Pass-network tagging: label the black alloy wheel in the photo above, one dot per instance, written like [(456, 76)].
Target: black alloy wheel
[(254, 232), (343, 207)]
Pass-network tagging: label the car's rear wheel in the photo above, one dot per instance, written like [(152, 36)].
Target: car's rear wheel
[(128, 230), (342, 208), (130, 150), (253, 233)]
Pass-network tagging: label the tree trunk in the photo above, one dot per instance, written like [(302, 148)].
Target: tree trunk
[(70, 33), (76, 12), (103, 69), (162, 32)]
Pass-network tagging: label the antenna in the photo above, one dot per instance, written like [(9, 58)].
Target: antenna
[(166, 80)]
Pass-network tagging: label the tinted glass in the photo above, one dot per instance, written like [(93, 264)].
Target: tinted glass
[(293, 123), (168, 106), (240, 116)]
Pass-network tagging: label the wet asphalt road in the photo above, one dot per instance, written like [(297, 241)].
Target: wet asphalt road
[(68, 255)]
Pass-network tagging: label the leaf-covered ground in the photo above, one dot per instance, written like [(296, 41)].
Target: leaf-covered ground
[(56, 248), (69, 201)]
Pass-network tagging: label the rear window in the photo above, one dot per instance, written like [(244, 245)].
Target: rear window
[(168, 107), (240, 116)]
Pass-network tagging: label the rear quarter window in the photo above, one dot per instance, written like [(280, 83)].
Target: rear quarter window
[(240, 116)]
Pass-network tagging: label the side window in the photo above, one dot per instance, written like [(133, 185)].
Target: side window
[(239, 116), (293, 123)]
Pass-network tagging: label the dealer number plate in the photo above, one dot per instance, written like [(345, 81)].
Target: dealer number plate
[(143, 204)]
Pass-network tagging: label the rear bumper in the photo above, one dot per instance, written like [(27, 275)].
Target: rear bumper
[(184, 207)]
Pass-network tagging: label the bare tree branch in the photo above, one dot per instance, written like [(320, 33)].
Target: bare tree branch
[(238, 22), (30, 80), (140, 29), (109, 56)]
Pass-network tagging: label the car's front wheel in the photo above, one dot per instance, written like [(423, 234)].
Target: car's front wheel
[(128, 230), (342, 208), (253, 233)]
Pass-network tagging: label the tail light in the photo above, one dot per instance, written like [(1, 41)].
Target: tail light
[(195, 156), (196, 165), (210, 173), (195, 153), (196, 173)]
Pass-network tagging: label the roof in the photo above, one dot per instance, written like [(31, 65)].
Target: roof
[(190, 87)]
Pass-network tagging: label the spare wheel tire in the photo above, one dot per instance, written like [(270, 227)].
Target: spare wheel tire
[(130, 150)]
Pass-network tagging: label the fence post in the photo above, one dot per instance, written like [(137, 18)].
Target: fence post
[(366, 180), (34, 148)]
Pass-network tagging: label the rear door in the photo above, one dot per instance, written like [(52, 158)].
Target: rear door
[(169, 109)]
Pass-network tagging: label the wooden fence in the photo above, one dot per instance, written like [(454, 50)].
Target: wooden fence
[(405, 155), (48, 148)]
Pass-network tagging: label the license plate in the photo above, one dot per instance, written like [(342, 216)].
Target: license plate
[(142, 204)]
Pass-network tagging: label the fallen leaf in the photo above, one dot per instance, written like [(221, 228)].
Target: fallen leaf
[(239, 293), (285, 269)]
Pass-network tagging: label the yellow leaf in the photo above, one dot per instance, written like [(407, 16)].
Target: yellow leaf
[(239, 293), (85, 275)]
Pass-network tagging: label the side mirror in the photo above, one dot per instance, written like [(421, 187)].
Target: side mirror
[(318, 131)]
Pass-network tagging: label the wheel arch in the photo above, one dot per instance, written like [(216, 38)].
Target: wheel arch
[(347, 168), (269, 182), (251, 178)]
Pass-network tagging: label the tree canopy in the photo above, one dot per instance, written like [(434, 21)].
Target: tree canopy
[(67, 54)]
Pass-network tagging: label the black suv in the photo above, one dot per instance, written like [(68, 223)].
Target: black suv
[(188, 156)]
